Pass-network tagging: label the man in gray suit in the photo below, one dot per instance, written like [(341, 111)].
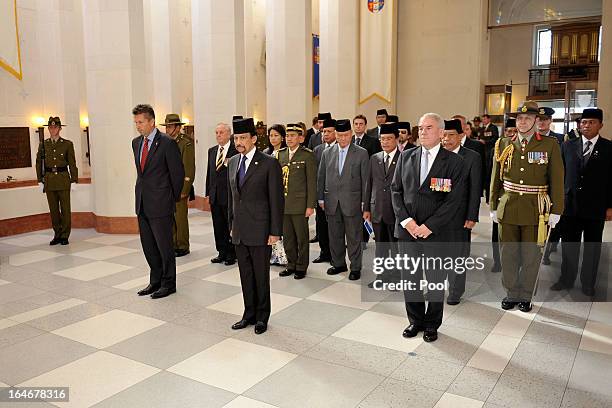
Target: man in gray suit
[(341, 188), (317, 138)]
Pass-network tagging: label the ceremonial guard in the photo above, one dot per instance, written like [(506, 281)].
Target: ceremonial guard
[(55, 170), (299, 169), (526, 195), (181, 223)]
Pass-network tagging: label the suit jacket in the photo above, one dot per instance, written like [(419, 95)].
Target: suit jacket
[(315, 140), (560, 138), (473, 168), (347, 189), (374, 133), (309, 133), (378, 191), (158, 186), (479, 148), (371, 144), (216, 180), (256, 209), (435, 209), (588, 188)]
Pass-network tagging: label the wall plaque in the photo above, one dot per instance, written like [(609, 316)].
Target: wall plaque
[(15, 147)]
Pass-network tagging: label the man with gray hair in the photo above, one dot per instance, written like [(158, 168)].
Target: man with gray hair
[(429, 198), (216, 191)]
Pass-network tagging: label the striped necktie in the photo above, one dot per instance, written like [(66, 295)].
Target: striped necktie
[(219, 159)]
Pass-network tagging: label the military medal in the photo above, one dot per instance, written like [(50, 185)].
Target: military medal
[(537, 157), (440, 184)]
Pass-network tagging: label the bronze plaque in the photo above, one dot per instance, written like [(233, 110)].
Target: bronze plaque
[(15, 147)]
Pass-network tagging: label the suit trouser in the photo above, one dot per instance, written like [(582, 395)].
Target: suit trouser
[(495, 243), (573, 229), (158, 247), (322, 233), (181, 225), (296, 241), (520, 258), (59, 208), (221, 229), (419, 314), (385, 240), (340, 226), (254, 266), (462, 248)]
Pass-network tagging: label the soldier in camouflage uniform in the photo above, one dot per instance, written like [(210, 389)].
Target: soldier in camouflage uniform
[(181, 223), (300, 183), (55, 170), (526, 194)]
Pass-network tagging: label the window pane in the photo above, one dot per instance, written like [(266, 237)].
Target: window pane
[(544, 47)]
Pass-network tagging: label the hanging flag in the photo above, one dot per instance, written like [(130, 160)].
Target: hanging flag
[(10, 58), (315, 65), (376, 49)]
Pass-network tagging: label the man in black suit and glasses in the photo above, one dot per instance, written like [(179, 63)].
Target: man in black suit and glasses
[(428, 191), (256, 206), (216, 191), (159, 182)]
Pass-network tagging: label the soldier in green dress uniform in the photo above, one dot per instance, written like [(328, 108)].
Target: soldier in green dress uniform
[(300, 184), (526, 195), (181, 223), (55, 170)]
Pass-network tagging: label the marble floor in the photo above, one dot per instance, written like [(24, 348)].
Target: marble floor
[(69, 316)]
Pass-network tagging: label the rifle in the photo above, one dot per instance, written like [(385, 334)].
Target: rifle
[(42, 159)]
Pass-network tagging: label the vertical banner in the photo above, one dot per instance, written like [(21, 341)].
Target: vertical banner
[(10, 58), (315, 65), (376, 49)]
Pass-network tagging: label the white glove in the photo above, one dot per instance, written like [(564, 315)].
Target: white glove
[(72, 187), (553, 219), (42, 187), (494, 217)]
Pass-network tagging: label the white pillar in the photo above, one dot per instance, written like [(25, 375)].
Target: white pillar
[(115, 72), (219, 89), (339, 57), (604, 86), (289, 61)]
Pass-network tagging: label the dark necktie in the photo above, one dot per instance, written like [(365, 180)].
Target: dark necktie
[(242, 171), (586, 153), (386, 162), (145, 153), (220, 159)]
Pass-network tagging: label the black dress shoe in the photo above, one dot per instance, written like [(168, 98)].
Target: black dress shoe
[(314, 240), (162, 293), (560, 286), (241, 324), (229, 261), (218, 259), (55, 241), (334, 270), (507, 304), (545, 260), (525, 307), (371, 284), (354, 275), (430, 335), (588, 291), (64, 241), (299, 275), (148, 290), (286, 272), (180, 252), (496, 268), (411, 331), (452, 302), (260, 327), (321, 259)]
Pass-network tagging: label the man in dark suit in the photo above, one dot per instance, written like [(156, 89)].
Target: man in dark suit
[(404, 139), (381, 117), (472, 164), (488, 135), (378, 208), (360, 138), (543, 122), (329, 140), (159, 181), (256, 203), (588, 202), (341, 189), (312, 131), (216, 191), (428, 191), (476, 146), (317, 138)]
